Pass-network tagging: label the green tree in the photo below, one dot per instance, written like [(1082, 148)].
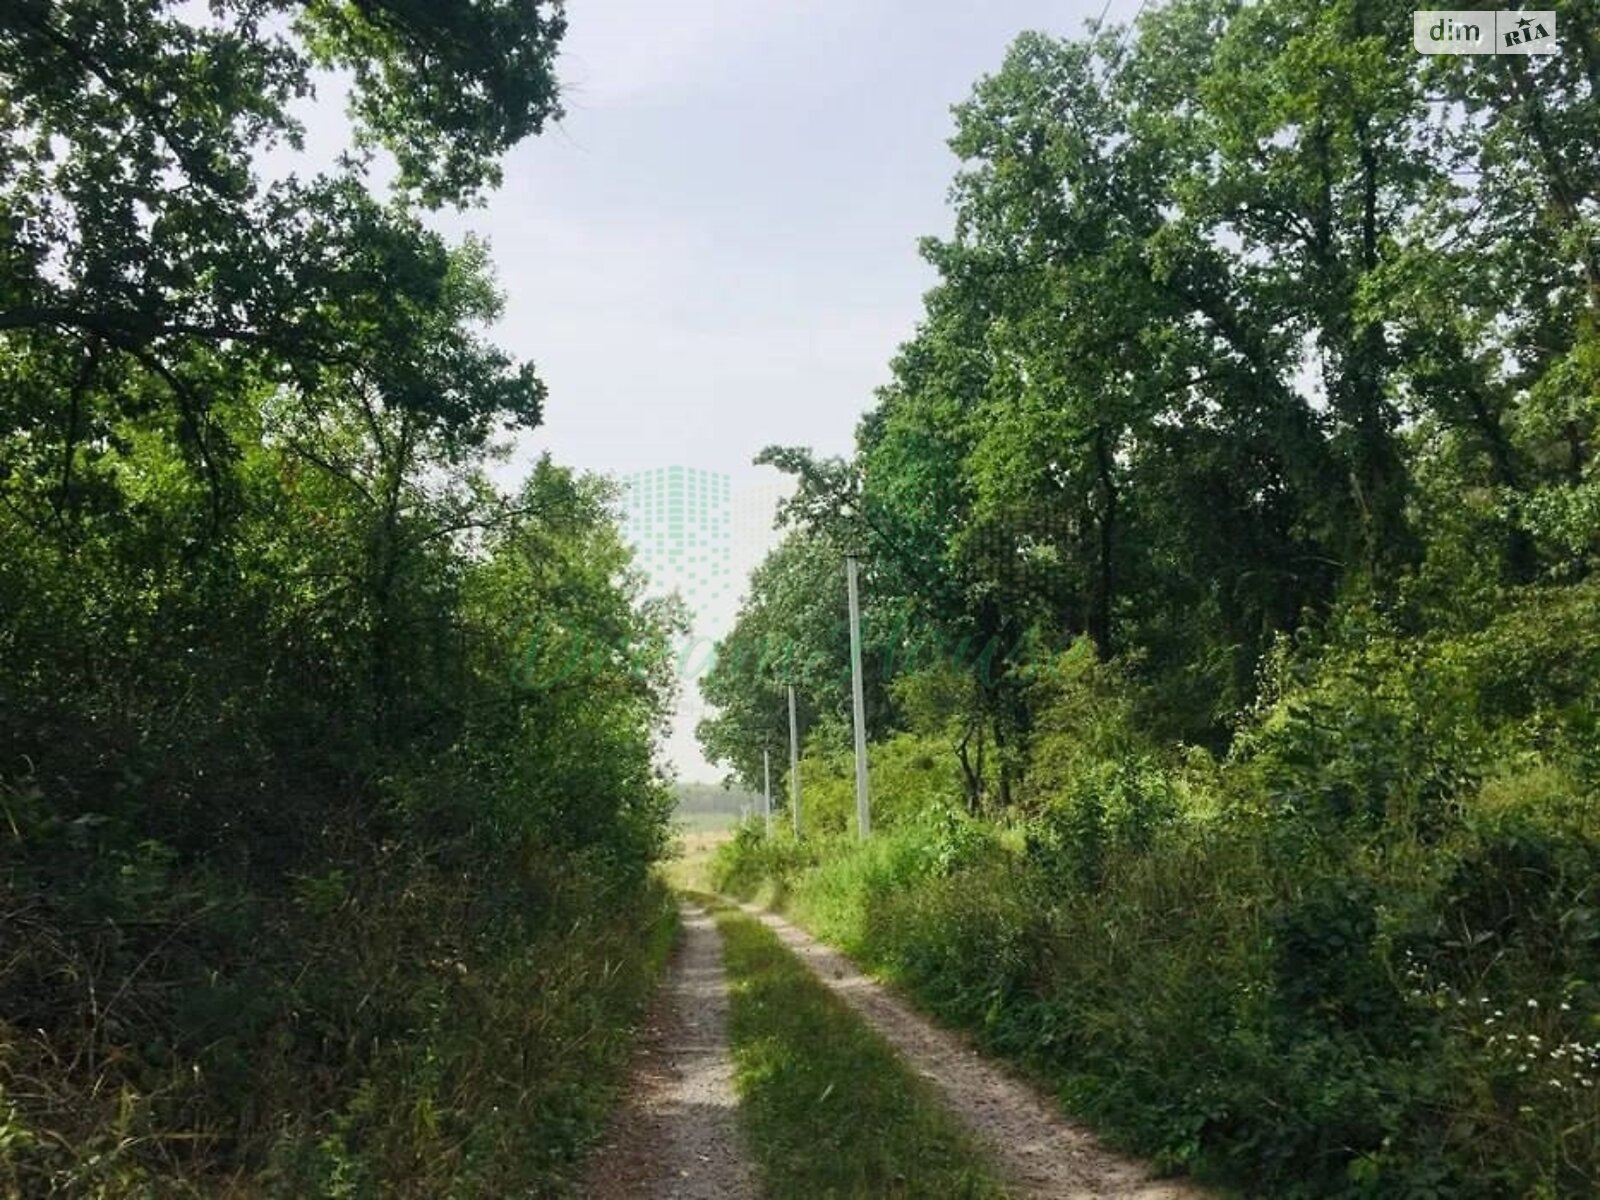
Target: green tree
[(793, 628), (319, 891)]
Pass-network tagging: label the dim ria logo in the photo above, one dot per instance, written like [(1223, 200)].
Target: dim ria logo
[(1484, 31)]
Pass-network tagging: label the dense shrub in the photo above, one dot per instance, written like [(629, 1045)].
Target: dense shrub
[(327, 804), (908, 774), (268, 928), (1356, 958)]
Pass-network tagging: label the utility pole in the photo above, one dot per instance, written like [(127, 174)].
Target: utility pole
[(794, 764), (863, 806), (766, 803)]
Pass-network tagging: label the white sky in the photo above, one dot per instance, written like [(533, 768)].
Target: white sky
[(716, 249)]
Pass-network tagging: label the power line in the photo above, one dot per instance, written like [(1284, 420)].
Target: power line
[(1116, 63)]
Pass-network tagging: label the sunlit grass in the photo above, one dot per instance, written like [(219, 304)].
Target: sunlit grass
[(829, 1107)]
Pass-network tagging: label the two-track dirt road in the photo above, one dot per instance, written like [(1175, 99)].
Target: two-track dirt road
[(678, 1134)]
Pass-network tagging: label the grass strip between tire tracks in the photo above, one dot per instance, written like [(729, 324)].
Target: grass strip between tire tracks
[(829, 1108)]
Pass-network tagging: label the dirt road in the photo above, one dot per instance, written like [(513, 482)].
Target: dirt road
[(677, 1135), (1035, 1147)]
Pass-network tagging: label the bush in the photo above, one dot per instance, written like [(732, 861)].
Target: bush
[(910, 776), (1297, 1001), (272, 924), (750, 859), (1109, 811), (398, 1033), (1359, 955)]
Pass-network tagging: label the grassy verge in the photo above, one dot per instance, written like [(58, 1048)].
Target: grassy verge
[(830, 1108), (494, 1070), (512, 1070), (1293, 1021)]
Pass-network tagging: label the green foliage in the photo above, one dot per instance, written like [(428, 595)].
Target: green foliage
[(508, 1069), (1340, 1038), (446, 89), (1112, 809), (315, 879), (831, 1110), (320, 911), (1249, 315), (1084, 713), (908, 777), (793, 629), (1242, 972), (1232, 528), (1378, 731)]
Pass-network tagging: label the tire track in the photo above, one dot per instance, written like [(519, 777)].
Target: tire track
[(677, 1134), (1041, 1153)]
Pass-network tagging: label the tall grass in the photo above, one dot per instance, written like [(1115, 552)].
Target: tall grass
[(1296, 1014), (414, 1037)]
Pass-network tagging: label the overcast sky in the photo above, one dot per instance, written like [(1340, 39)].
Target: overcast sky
[(716, 249)]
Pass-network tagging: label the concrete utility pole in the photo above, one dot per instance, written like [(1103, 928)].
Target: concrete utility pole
[(794, 764), (766, 802), (863, 805)]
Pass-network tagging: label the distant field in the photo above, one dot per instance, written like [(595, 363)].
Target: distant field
[(703, 822), (688, 869)]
